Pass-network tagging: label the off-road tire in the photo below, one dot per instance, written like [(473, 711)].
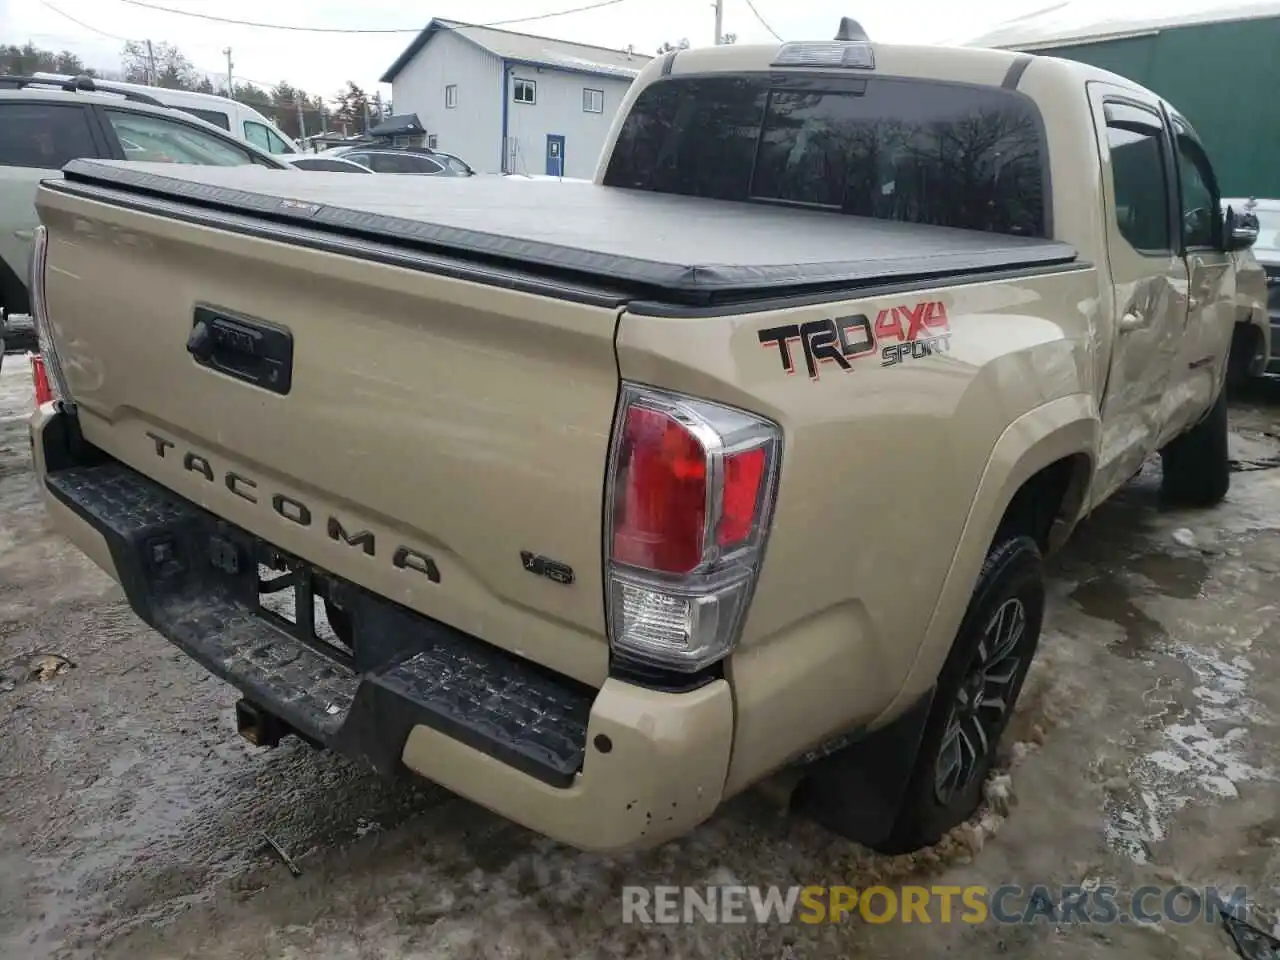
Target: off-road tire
[(1012, 579), (1196, 466)]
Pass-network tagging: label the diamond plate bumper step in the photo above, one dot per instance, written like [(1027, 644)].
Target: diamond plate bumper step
[(406, 669)]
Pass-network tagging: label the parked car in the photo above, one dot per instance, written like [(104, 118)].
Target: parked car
[(46, 123), (1264, 297), (430, 163), (312, 161), (840, 389), (236, 118)]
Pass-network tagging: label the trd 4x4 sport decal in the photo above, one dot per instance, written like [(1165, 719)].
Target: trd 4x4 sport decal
[(900, 333)]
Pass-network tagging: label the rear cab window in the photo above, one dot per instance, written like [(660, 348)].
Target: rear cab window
[(920, 151), (44, 135)]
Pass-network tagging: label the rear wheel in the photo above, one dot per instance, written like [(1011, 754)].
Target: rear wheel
[(1197, 466), (972, 703)]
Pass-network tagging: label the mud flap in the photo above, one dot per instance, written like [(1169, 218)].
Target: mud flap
[(857, 791)]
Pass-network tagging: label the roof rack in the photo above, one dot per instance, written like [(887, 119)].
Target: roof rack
[(80, 84)]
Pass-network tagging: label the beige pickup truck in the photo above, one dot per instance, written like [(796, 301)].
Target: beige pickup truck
[(599, 503)]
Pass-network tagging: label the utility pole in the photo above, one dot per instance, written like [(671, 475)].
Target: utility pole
[(719, 7), (151, 65), (231, 87), (302, 121)]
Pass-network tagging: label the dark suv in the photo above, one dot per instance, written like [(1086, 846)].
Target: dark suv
[(388, 159)]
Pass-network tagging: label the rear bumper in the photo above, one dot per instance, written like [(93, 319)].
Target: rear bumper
[(610, 769)]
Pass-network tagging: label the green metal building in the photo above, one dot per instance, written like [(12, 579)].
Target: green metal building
[(1220, 68)]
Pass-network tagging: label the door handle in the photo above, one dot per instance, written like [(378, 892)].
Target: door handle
[(24, 235), (1132, 320)]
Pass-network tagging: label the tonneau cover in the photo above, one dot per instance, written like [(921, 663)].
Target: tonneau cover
[(681, 246)]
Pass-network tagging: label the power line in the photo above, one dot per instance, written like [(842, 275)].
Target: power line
[(91, 29), (548, 16), (764, 23), (352, 30)]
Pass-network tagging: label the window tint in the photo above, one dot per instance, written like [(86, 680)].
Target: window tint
[(43, 135), (277, 143), (155, 139), (893, 149), (455, 165), (1136, 141), (216, 117), (256, 134), (1200, 211), (402, 163), (327, 163)]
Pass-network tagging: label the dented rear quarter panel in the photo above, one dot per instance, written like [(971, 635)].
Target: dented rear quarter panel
[(881, 469)]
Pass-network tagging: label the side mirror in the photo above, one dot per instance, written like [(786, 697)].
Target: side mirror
[(1240, 231)]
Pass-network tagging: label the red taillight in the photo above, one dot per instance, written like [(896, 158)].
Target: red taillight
[(744, 474), (691, 496), (661, 505), (40, 379)]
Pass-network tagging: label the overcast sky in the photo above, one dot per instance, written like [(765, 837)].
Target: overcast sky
[(321, 63)]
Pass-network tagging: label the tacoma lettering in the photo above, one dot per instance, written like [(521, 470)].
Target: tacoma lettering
[(295, 510)]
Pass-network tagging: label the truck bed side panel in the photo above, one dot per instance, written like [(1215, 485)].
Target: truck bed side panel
[(879, 470), (452, 421)]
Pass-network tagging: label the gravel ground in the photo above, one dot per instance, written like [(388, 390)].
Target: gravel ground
[(1143, 751)]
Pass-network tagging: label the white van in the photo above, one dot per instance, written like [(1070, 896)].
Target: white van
[(241, 121)]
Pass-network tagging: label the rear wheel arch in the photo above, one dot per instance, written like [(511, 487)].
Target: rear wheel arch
[(1049, 452)]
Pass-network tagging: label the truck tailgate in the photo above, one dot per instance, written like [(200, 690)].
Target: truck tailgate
[(424, 433)]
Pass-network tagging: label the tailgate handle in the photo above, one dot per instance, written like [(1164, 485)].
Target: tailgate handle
[(248, 349)]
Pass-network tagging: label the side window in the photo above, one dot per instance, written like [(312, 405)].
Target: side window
[(402, 163), (276, 143), (216, 117), (155, 139), (43, 135), (1136, 140), (1198, 186), (257, 134)]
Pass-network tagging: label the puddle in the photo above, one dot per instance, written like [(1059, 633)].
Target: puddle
[(1181, 577), (1106, 598)]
